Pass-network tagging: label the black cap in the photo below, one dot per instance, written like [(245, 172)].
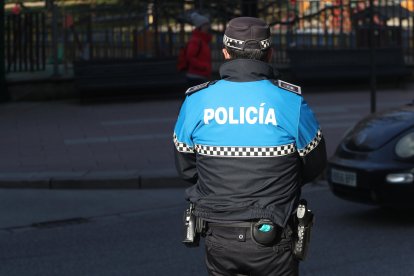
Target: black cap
[(247, 32)]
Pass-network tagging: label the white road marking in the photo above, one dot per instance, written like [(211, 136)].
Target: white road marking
[(138, 121), (123, 138)]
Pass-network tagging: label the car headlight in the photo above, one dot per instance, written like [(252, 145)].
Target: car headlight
[(405, 146)]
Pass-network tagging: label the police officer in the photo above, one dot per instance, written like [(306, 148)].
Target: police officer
[(247, 142)]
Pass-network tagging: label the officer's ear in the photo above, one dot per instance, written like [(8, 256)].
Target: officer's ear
[(269, 55), (226, 54)]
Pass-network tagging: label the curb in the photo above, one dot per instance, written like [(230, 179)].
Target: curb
[(91, 180)]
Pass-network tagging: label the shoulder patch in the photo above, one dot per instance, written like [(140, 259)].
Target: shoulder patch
[(288, 86), (199, 87)]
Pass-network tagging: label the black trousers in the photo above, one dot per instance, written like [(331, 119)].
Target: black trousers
[(232, 251)]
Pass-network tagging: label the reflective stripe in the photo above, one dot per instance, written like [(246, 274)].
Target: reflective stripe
[(239, 44), (309, 147), (182, 147), (228, 151)]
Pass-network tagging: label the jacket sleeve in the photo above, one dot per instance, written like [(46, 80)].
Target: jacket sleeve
[(310, 144), (184, 154), (194, 49)]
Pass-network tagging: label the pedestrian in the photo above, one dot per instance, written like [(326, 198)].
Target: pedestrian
[(198, 52), (247, 143)]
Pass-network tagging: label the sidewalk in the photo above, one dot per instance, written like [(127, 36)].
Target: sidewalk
[(65, 144), (128, 144)]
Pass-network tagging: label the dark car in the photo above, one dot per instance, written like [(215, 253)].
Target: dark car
[(374, 162)]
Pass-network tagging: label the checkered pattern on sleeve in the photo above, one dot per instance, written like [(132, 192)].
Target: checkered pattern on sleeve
[(228, 151), (313, 144), (182, 147)]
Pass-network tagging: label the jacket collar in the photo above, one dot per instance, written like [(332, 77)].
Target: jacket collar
[(242, 70)]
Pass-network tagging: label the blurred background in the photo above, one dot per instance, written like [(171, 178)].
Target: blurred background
[(52, 36)]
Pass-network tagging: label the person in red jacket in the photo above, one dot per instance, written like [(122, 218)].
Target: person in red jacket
[(198, 52)]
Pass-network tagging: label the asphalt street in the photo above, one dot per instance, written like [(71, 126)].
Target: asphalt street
[(139, 232)]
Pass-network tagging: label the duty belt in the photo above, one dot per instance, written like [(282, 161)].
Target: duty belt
[(242, 224)]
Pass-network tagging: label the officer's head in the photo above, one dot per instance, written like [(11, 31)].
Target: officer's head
[(247, 37)]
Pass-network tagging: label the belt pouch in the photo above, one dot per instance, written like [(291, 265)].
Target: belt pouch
[(264, 232)]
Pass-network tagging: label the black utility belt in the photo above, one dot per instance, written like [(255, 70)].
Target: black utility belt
[(244, 224), (264, 231)]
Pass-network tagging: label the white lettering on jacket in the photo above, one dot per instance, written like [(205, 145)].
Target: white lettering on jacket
[(250, 115)]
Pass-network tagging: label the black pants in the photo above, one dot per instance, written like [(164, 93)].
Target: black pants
[(232, 251)]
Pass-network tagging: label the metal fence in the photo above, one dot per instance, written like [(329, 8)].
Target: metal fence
[(159, 28), (343, 24), (26, 38)]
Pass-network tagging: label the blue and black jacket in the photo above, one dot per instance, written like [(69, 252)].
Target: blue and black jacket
[(248, 143)]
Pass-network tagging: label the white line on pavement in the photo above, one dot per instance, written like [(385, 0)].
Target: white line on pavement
[(339, 108), (109, 139), (337, 125), (138, 121), (347, 117)]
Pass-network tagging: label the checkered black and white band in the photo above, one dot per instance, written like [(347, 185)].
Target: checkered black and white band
[(313, 144), (229, 151), (182, 147), (239, 44), (226, 151)]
